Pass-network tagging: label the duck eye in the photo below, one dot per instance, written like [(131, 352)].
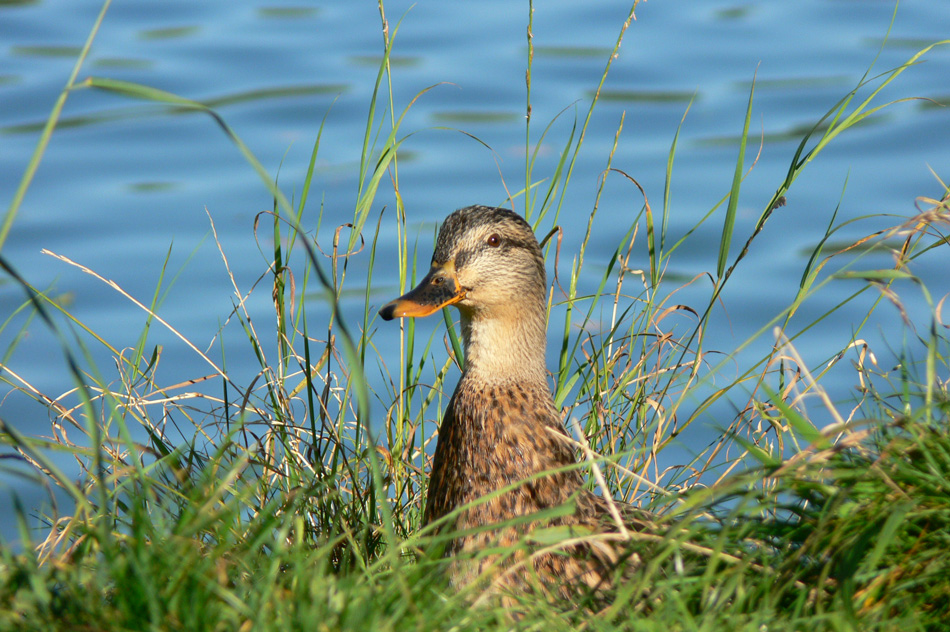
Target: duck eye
[(494, 241), (438, 280)]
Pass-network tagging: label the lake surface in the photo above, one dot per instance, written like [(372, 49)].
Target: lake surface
[(123, 183)]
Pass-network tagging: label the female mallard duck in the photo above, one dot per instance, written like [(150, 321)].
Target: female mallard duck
[(501, 428)]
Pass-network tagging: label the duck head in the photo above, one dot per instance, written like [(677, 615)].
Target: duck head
[(487, 262)]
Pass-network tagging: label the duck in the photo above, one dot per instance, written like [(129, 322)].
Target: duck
[(505, 470)]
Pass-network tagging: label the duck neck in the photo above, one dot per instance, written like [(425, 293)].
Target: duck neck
[(506, 345)]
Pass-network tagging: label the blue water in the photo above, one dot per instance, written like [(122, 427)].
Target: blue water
[(123, 183)]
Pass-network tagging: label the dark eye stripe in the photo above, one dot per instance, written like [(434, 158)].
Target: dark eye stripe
[(462, 258), (520, 243)]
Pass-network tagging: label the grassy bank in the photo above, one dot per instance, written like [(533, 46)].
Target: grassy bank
[(281, 504)]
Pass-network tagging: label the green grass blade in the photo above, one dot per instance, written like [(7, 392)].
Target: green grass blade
[(729, 222), (48, 128)]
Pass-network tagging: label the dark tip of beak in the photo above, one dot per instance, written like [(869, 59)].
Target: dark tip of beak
[(386, 311)]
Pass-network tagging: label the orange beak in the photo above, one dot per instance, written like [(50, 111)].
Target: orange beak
[(440, 288)]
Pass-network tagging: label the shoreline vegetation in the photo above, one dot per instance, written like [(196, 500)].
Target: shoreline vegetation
[(277, 505)]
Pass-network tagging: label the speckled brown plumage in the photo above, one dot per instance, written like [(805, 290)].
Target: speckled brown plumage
[(501, 427), (494, 437)]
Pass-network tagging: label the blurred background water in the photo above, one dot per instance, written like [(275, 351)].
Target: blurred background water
[(124, 184)]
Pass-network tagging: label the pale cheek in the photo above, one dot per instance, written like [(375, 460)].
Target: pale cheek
[(495, 301), (481, 292), (490, 285)]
